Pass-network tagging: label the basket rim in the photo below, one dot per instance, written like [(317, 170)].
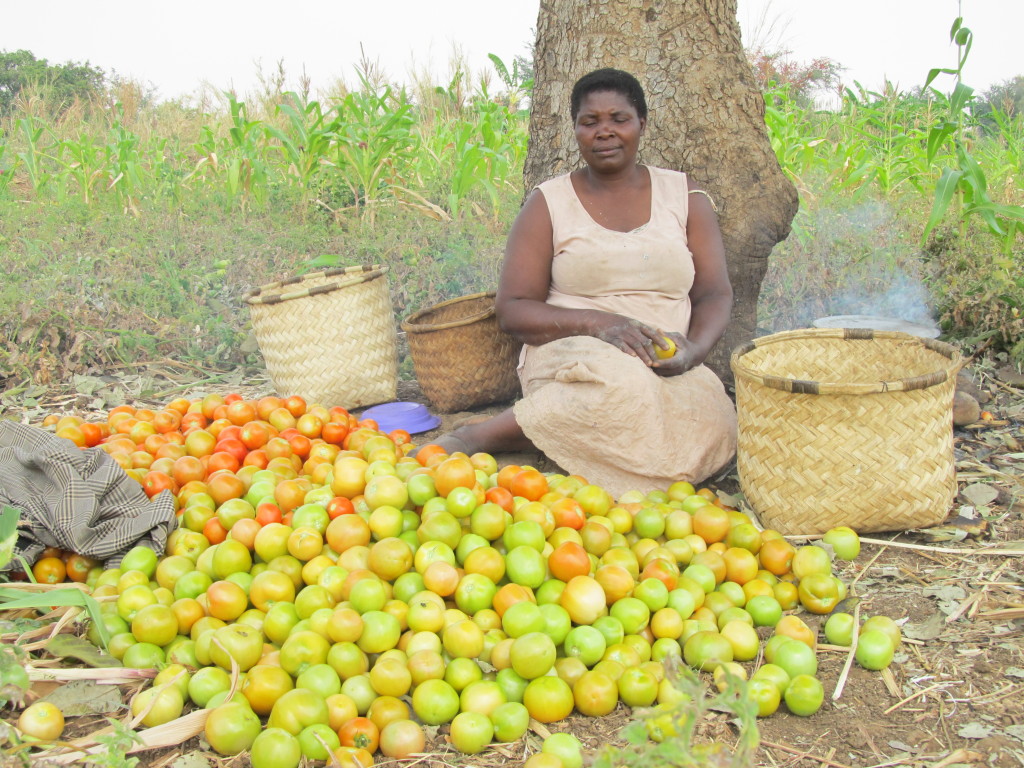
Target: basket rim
[(349, 276), (409, 325), (798, 386)]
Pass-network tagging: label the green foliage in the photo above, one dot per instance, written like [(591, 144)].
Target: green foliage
[(909, 207), (965, 183), (14, 682), (116, 744), (1000, 103), (677, 729), (63, 83)]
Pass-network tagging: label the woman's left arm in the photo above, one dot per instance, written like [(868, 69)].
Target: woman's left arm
[(711, 293)]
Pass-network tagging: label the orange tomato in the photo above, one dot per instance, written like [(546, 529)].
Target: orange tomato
[(155, 482), (267, 405), (254, 434), (568, 513), (214, 531), (569, 559), (77, 567), (49, 570), (361, 733), (240, 412), (505, 475), (186, 469), (431, 455), (530, 484), (91, 434), (452, 473), (295, 404), (222, 460), (225, 485), (193, 420)]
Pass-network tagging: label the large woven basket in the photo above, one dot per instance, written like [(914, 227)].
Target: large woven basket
[(329, 336), (462, 358), (846, 427)]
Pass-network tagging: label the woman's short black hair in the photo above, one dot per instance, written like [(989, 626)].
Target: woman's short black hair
[(608, 79)]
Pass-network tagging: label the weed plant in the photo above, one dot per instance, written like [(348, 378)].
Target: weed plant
[(683, 735)]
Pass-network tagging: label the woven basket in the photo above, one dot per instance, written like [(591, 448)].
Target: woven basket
[(462, 358), (846, 427), (329, 336)]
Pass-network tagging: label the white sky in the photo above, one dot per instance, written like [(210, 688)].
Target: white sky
[(176, 46)]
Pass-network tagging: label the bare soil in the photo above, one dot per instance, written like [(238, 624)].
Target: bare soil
[(954, 695)]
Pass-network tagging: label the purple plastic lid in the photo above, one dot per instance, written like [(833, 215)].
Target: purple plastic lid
[(412, 417)]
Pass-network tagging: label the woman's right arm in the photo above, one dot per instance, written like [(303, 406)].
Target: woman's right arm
[(521, 302)]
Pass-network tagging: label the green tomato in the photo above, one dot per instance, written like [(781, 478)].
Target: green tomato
[(471, 732), (844, 542), (566, 747), (275, 748), (839, 629), (804, 695), (874, 650), (232, 728)]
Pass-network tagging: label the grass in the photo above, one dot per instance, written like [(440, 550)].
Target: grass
[(131, 231)]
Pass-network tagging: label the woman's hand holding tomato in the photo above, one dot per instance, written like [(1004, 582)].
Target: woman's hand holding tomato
[(631, 336), (686, 357)]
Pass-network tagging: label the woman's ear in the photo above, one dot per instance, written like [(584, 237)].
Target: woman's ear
[(643, 125)]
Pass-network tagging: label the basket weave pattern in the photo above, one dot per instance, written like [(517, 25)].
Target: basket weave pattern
[(846, 427), (329, 336), (461, 357)]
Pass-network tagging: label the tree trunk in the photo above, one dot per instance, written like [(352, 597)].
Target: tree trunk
[(706, 118)]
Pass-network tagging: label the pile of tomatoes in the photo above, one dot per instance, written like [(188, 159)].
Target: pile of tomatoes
[(55, 565), (327, 595)]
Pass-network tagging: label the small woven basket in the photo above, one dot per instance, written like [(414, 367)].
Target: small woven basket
[(329, 336), (462, 358), (846, 427)]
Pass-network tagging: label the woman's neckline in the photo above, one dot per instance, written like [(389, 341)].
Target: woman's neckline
[(596, 223)]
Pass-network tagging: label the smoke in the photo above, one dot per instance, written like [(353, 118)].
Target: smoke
[(905, 298), (845, 260)]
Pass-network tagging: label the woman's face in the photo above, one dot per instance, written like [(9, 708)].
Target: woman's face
[(608, 131)]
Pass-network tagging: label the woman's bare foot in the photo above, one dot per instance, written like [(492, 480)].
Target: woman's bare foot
[(451, 443), (499, 434)]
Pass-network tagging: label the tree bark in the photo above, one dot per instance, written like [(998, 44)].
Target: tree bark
[(706, 117)]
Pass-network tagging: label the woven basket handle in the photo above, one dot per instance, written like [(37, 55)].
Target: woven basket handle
[(350, 276)]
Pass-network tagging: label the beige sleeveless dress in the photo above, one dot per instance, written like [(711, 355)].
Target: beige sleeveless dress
[(594, 410)]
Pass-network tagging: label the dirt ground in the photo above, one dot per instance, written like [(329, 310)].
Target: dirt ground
[(954, 695)]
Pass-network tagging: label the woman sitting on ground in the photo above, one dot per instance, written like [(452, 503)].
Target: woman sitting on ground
[(604, 267)]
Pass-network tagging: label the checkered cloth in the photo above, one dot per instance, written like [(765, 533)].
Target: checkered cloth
[(78, 500)]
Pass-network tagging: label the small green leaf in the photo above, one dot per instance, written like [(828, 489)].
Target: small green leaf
[(957, 23)]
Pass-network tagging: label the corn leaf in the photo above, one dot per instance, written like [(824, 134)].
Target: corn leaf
[(8, 533), (944, 192), (937, 137), (14, 599)]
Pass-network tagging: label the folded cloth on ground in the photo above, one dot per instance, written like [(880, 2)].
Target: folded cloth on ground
[(77, 500)]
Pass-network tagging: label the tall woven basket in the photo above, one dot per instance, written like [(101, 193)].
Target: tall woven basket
[(846, 427), (329, 336), (462, 358)]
